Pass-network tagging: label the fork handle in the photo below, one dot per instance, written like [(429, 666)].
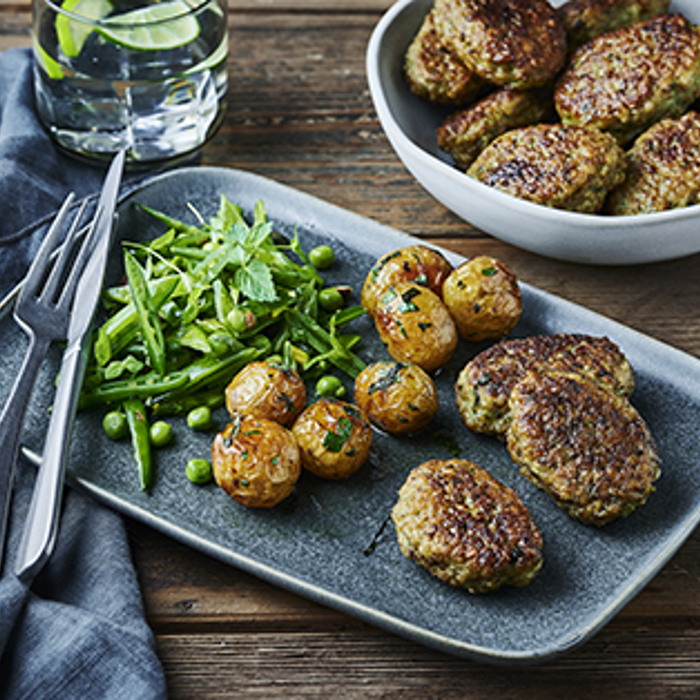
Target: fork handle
[(11, 422)]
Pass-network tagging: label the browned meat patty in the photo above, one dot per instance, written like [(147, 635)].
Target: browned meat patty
[(435, 73), (586, 19), (464, 134), (663, 169), (625, 81), (516, 43), (465, 527), (484, 386), (556, 165), (587, 448)]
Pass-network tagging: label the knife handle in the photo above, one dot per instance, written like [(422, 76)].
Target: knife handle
[(41, 527)]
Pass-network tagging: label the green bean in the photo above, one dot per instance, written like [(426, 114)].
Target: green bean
[(323, 342), (171, 222), (146, 313), (119, 330), (160, 288), (180, 406), (141, 388), (137, 421)]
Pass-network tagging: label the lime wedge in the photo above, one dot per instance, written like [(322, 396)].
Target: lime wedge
[(162, 26), (51, 66), (72, 33), (219, 55)]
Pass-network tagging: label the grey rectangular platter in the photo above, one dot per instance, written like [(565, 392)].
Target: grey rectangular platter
[(332, 541)]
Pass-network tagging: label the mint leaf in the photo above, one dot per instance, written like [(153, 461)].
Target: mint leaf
[(257, 236), (255, 281)]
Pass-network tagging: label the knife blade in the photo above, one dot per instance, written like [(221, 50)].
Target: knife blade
[(41, 526)]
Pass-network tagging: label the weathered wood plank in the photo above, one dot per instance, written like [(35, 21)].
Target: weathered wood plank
[(621, 663)]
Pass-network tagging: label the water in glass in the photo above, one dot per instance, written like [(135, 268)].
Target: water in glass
[(142, 75)]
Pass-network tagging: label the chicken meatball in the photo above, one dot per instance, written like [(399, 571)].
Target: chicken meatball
[(559, 166), (484, 299), (663, 169), (587, 448), (624, 81), (484, 386), (584, 20), (256, 461), (415, 263), (399, 398), (415, 326), (436, 74), (334, 438), (515, 43), (464, 134), (267, 389), (465, 527)]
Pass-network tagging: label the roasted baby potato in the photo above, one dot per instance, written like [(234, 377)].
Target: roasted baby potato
[(256, 461), (484, 299), (416, 263), (399, 398), (334, 438), (268, 390), (415, 326)]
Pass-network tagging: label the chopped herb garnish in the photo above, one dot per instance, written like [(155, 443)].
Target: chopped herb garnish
[(335, 441)]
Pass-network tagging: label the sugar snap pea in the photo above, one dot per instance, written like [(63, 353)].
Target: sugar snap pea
[(136, 418)]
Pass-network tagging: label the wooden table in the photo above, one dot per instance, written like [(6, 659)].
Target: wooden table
[(300, 113)]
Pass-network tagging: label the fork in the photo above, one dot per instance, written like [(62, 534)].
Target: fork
[(42, 311)]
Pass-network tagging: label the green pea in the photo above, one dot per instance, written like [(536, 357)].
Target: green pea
[(322, 257), (199, 418), (161, 433), (114, 425), (330, 387), (238, 320), (198, 471), (330, 299)]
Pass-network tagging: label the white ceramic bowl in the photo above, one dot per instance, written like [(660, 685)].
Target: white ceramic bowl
[(410, 124)]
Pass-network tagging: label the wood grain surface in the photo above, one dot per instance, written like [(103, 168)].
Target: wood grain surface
[(300, 113)]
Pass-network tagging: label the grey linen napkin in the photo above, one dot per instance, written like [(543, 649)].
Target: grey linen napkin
[(80, 630)]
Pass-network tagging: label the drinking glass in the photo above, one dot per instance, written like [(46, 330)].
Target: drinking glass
[(141, 75)]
